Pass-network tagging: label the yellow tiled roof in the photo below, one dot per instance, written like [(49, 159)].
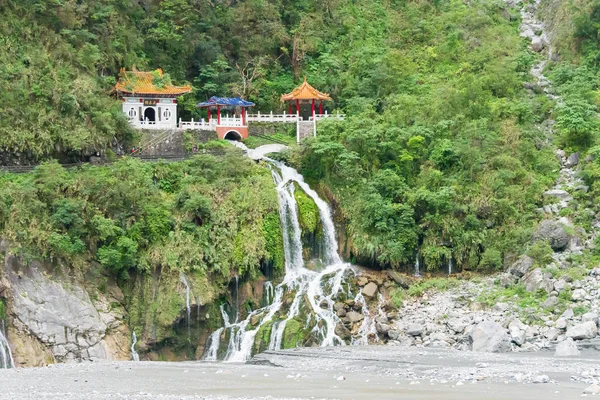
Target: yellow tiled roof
[(305, 92), (140, 83)]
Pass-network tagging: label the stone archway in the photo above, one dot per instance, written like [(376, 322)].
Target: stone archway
[(233, 135), (150, 114)]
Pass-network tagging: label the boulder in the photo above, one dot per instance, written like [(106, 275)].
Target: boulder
[(489, 336), (566, 348), (573, 160), (521, 266), (536, 279), (578, 295), (517, 335), (414, 329), (585, 330), (568, 314), (538, 44), (558, 194), (590, 316), (362, 281), (592, 389), (550, 303), (394, 334), (560, 285), (370, 289), (400, 279), (500, 307), (456, 325), (382, 328), (554, 233), (354, 316), (561, 324)]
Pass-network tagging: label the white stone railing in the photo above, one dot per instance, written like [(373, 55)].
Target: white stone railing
[(147, 124), (200, 125), (319, 117), (272, 117)]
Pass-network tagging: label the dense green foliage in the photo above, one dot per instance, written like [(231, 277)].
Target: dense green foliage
[(441, 152), (213, 215)]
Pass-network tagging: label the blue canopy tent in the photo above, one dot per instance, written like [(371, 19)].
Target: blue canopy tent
[(225, 102)]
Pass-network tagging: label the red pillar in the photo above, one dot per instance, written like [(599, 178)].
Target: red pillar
[(218, 115), (243, 116), (291, 110), (313, 107), (208, 110), (298, 106), (321, 108)]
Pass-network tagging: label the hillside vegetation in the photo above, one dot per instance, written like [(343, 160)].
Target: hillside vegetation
[(442, 151)]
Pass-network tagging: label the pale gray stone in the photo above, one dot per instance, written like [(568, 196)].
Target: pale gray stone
[(585, 330), (489, 336), (566, 348), (370, 289), (521, 266), (414, 329)]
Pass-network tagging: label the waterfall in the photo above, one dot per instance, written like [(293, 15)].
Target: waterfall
[(268, 292), (417, 266), (315, 290), (215, 342), (187, 297), (134, 355), (449, 265), (6, 358)]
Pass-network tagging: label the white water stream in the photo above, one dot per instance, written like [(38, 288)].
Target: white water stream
[(311, 292), (188, 307), (6, 358), (134, 354)]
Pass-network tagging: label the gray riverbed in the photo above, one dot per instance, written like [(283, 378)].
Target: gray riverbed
[(365, 372)]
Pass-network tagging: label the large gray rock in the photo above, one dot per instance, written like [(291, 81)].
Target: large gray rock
[(585, 330), (354, 316), (554, 233), (578, 295), (573, 160), (490, 337), (536, 279), (538, 44), (521, 266), (370, 289), (457, 325), (57, 310), (590, 316), (414, 329), (400, 279), (566, 348)]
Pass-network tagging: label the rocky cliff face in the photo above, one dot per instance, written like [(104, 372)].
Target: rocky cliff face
[(54, 317)]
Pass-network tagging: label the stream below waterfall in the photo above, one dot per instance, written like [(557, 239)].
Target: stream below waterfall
[(303, 294)]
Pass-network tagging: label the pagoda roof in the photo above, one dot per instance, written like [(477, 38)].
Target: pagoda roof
[(305, 92), (225, 102), (148, 83)]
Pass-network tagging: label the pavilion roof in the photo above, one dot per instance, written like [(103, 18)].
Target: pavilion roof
[(225, 102), (148, 83), (305, 92)]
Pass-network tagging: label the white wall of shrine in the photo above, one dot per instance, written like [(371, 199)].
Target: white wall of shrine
[(148, 112)]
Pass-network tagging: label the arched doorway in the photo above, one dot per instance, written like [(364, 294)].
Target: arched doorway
[(150, 114), (233, 135)]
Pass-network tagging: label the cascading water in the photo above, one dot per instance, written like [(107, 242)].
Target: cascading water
[(134, 355), (312, 290), (6, 358), (268, 292), (188, 307), (417, 266), (450, 266)]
